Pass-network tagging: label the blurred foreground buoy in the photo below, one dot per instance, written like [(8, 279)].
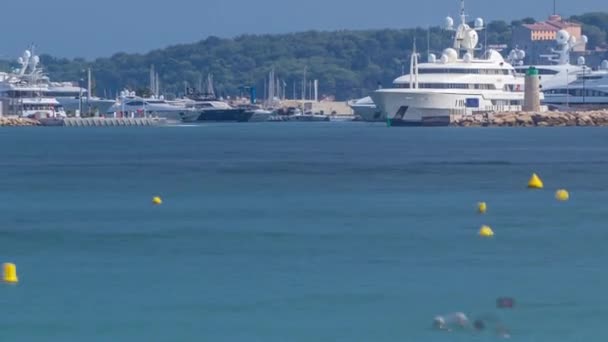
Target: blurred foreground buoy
[(9, 273), (535, 182), (482, 207), (562, 195), (486, 231), (157, 200), (505, 303)]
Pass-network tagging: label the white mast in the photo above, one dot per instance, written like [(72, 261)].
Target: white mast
[(152, 80)]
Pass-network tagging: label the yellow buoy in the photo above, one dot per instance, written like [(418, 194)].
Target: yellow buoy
[(535, 182), (9, 273), (482, 207), (562, 195), (157, 200), (486, 231)]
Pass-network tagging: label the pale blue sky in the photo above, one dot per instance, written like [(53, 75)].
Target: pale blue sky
[(103, 27)]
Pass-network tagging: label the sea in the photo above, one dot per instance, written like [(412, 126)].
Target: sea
[(302, 232)]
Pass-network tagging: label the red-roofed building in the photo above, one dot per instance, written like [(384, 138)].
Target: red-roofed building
[(539, 38)]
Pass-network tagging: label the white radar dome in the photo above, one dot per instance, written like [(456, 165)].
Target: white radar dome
[(432, 58), (478, 23), (563, 37), (604, 65), (445, 59), (581, 61), (470, 39), (449, 22), (468, 58), (451, 54)]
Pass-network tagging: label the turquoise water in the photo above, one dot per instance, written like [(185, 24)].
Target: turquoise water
[(300, 232)]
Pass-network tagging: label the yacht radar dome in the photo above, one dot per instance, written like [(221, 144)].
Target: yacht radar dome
[(470, 40), (581, 61), (468, 58), (563, 37), (604, 65), (495, 56), (449, 23), (451, 54), (432, 58), (479, 23), (444, 59), (27, 54)]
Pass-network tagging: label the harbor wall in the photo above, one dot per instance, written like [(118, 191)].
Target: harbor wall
[(532, 119)]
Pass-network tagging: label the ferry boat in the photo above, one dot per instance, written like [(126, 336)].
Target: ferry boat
[(458, 83)]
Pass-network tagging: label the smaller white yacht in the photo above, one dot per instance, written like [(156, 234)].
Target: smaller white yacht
[(366, 109), (588, 91), (130, 105)]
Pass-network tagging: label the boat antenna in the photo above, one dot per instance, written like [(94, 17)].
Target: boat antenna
[(554, 7), (463, 16), (428, 41)]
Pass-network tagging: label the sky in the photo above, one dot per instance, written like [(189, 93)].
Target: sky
[(101, 28)]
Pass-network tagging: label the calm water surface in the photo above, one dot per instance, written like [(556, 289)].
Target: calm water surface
[(300, 232)]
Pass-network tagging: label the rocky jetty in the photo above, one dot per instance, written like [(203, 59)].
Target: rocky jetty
[(525, 119), (16, 122)]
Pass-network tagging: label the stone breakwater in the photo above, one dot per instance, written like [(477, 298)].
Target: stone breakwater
[(525, 119), (15, 122)]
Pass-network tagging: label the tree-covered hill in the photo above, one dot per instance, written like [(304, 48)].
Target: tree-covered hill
[(348, 64)]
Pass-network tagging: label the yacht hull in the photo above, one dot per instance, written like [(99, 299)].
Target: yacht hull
[(418, 106), (221, 115)]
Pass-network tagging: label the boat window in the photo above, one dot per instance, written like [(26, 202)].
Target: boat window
[(547, 72), (465, 71), (135, 103)]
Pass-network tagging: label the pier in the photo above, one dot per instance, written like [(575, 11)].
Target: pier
[(104, 122), (532, 119)]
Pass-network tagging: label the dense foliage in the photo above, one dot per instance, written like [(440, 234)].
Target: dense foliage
[(348, 64)]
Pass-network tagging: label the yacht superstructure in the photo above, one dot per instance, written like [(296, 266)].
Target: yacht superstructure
[(559, 72), (456, 83), (22, 94)]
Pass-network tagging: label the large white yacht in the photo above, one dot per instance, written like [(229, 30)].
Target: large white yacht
[(559, 72), (456, 83), (21, 93), (588, 91)]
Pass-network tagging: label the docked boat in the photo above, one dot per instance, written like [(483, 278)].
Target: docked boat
[(130, 105), (210, 108), (76, 99), (559, 71), (366, 109), (213, 110), (588, 91), (458, 83), (22, 95)]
